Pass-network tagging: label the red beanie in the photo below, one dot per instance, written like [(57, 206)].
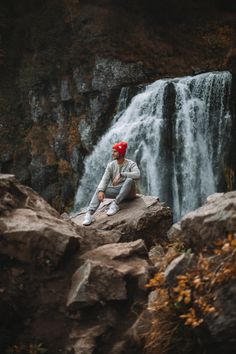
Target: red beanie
[(121, 147)]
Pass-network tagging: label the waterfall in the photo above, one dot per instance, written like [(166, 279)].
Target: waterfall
[(177, 131)]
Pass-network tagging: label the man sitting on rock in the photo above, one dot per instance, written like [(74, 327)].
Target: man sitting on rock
[(118, 183)]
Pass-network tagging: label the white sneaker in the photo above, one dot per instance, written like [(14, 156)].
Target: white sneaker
[(88, 219), (113, 208)]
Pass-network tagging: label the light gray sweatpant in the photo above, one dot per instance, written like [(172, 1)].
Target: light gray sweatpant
[(125, 191)]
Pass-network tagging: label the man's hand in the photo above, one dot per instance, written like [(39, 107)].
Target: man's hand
[(101, 196), (116, 180)]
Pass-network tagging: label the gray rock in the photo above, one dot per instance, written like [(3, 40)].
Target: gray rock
[(156, 254), (6, 156), (214, 197), (86, 134), (95, 282), (210, 222), (112, 73), (59, 146), (79, 76), (42, 175), (126, 258), (103, 276), (118, 251), (178, 266), (36, 102), (65, 93), (223, 324), (175, 232), (96, 238), (85, 340), (142, 218), (75, 159), (31, 230), (98, 106)]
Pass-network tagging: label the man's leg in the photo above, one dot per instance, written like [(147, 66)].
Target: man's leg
[(110, 192), (94, 204), (127, 191)]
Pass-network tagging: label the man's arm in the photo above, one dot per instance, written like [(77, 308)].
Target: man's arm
[(134, 172), (105, 180)]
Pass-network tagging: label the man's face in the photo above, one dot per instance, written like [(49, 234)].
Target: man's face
[(115, 154)]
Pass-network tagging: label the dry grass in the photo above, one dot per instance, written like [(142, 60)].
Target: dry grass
[(192, 299)]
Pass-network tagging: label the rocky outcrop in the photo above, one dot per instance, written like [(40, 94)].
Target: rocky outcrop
[(199, 281), (78, 289), (31, 230), (75, 289), (109, 264), (144, 218), (213, 221)]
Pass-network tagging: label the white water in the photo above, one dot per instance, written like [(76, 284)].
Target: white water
[(187, 169)]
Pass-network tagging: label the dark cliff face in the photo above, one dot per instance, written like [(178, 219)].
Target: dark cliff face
[(63, 63)]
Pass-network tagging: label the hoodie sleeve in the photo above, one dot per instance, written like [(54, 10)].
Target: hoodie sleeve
[(134, 172), (105, 179)]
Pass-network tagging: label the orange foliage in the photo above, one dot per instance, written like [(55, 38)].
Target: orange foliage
[(194, 296)]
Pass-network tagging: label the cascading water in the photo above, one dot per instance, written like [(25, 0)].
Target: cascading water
[(177, 131)]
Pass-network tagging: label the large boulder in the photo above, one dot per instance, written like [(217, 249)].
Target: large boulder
[(145, 218), (204, 226), (31, 230), (109, 287), (107, 272), (95, 282)]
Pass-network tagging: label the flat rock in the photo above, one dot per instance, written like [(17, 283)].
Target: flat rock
[(144, 218)]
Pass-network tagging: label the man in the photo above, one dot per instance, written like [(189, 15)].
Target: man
[(118, 182)]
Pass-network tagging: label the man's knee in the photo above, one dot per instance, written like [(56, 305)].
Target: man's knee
[(129, 181)]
